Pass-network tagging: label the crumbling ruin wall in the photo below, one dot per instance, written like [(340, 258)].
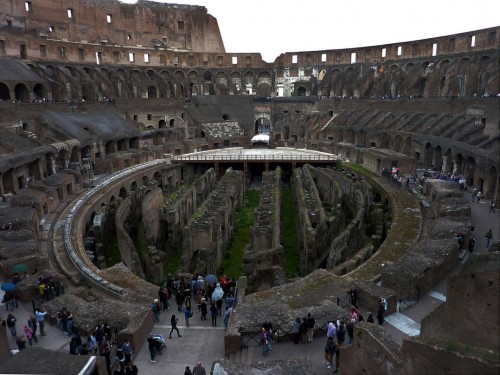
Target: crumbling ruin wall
[(210, 228), (20, 244), (333, 210), (437, 251), (373, 352), (263, 259), (128, 253), (431, 356), (178, 206), (472, 305), (151, 214), (315, 231)]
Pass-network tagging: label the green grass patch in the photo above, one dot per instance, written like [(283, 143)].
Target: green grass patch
[(290, 240), (112, 253), (233, 261), (174, 264)]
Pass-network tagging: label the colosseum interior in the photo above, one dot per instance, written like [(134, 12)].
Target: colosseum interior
[(123, 124)]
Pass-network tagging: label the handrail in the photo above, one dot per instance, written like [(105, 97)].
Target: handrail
[(240, 157), (280, 334), (89, 274), (409, 300)]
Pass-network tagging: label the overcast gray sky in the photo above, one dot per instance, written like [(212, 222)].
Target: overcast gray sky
[(272, 27)]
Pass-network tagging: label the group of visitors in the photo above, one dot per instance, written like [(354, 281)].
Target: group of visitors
[(30, 330), (6, 226), (303, 329), (48, 288), (197, 294)]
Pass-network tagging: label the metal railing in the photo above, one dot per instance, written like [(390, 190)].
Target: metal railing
[(280, 334), (263, 157), (408, 300), (87, 272)]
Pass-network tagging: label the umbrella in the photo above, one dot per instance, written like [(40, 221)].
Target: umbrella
[(217, 293), (19, 268), (8, 287), (211, 279)]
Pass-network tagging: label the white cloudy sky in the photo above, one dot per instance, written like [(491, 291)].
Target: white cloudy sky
[(272, 27)]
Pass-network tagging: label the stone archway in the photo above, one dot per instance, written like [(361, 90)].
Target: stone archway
[(262, 126), (428, 155), (40, 91), (492, 183), (4, 91), (438, 158), (152, 92), (21, 92)]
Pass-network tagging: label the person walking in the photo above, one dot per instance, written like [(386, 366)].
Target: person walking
[(263, 341), (227, 314), (40, 316), (153, 346), (492, 206), (296, 331), (204, 309), (188, 313), (173, 322), (156, 308), (311, 322), (329, 351), (33, 325), (489, 237), (199, 369), (29, 334), (472, 242), (214, 312), (11, 324)]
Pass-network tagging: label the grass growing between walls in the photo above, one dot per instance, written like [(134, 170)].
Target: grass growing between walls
[(289, 235), (232, 264), (112, 253)]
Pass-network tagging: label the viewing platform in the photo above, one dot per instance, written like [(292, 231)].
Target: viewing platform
[(240, 154)]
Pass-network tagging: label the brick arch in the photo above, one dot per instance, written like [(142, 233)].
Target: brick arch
[(337, 82), (361, 138), (235, 84), (207, 75), (4, 91), (136, 75), (21, 92), (350, 81), (193, 76), (249, 77), (407, 147), (438, 158), (409, 68), (264, 89), (150, 74), (106, 74)]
